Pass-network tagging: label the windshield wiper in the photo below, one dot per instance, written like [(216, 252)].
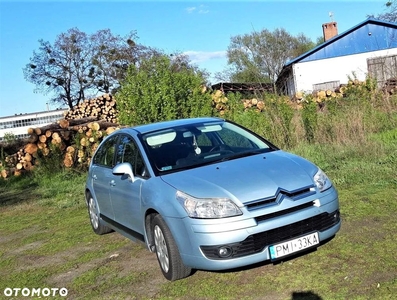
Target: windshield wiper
[(243, 154)]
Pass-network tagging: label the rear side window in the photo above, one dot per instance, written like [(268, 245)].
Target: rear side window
[(105, 154)]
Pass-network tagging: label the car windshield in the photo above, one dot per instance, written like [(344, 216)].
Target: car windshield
[(190, 146)]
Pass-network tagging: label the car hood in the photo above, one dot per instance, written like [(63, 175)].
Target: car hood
[(246, 179)]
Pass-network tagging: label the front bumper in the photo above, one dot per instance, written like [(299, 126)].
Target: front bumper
[(248, 239)]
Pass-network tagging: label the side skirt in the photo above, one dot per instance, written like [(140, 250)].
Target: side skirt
[(125, 231)]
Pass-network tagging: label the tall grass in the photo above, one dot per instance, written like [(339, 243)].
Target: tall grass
[(341, 122)]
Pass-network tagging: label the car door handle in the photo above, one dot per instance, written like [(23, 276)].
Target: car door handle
[(112, 183)]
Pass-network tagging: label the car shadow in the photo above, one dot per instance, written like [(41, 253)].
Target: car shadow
[(309, 295)]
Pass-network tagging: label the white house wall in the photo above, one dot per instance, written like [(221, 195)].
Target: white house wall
[(18, 125), (334, 69)]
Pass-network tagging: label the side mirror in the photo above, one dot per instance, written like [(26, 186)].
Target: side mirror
[(124, 169)]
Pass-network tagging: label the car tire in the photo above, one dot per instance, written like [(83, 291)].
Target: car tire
[(95, 220), (167, 251)]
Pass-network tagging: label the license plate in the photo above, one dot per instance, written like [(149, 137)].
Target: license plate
[(293, 246)]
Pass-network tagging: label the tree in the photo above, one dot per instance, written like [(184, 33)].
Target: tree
[(260, 56), (78, 64), (62, 68), (391, 15), (113, 55), (162, 88)]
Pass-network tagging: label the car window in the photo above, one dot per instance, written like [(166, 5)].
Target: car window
[(105, 154), (194, 145), (203, 140), (128, 151), (234, 139)]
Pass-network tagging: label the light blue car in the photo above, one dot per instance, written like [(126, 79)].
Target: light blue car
[(206, 193)]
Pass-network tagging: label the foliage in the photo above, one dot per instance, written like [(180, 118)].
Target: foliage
[(162, 88), (391, 12), (260, 56), (309, 118), (49, 164), (78, 63), (274, 122), (9, 138)]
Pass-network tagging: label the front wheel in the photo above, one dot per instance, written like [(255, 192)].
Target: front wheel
[(167, 251)]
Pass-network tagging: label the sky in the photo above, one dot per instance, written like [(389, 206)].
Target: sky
[(200, 29)]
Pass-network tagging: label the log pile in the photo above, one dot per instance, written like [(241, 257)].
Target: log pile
[(75, 137), (254, 103), (101, 108), (219, 101)]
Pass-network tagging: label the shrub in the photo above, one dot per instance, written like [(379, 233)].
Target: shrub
[(161, 88)]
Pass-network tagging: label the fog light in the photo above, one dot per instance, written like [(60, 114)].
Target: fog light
[(224, 252)]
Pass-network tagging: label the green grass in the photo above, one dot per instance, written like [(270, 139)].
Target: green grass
[(46, 241)]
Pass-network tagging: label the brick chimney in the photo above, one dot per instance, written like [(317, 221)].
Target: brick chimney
[(330, 30)]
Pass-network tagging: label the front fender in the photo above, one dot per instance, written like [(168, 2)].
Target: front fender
[(160, 196)]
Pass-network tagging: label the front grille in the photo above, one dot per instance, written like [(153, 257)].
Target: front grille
[(283, 212), (257, 242), (294, 195)]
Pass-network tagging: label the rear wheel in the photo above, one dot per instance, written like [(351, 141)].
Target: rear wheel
[(167, 252), (93, 212)]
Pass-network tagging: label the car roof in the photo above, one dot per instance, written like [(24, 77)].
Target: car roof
[(170, 124)]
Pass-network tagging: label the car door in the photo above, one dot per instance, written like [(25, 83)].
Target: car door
[(126, 193), (101, 175)]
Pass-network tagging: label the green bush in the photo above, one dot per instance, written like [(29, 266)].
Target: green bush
[(160, 89)]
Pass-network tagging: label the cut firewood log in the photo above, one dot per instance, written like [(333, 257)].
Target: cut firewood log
[(63, 123), (5, 173), (109, 130), (68, 160), (260, 105), (94, 126), (42, 138), (70, 149), (56, 139), (41, 145), (27, 165), (48, 133), (28, 157), (30, 148)]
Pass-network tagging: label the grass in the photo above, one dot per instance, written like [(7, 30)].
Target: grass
[(46, 241)]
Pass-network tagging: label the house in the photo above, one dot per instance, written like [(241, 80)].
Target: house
[(369, 48)]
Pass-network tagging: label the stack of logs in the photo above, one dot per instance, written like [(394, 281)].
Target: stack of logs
[(102, 108), (219, 101), (322, 95), (254, 103), (76, 137)]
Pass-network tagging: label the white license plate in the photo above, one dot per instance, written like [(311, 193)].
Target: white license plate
[(293, 246)]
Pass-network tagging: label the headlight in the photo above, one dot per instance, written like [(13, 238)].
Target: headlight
[(322, 181), (207, 208)]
